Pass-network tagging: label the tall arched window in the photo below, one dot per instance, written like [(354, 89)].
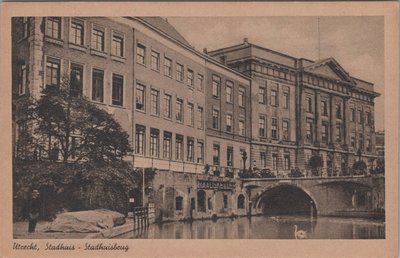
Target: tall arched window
[(240, 201), (179, 203), (201, 201)]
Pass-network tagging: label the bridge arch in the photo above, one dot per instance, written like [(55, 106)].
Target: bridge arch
[(279, 198)]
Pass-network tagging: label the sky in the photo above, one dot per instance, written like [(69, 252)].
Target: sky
[(356, 42)]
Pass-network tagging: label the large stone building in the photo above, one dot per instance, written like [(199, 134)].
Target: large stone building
[(194, 115), (302, 108)]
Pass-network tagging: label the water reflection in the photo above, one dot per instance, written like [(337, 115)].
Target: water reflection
[(277, 227)]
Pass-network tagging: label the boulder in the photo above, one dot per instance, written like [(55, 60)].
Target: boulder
[(85, 221)]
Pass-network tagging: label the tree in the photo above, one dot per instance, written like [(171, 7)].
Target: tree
[(82, 130), (315, 163)]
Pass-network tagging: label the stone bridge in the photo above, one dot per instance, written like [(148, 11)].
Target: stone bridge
[(333, 196)]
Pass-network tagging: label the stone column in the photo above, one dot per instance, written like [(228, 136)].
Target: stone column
[(318, 121), (332, 110), (346, 115), (36, 57)]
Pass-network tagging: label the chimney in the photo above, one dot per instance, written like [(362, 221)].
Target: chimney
[(246, 41), (205, 50)]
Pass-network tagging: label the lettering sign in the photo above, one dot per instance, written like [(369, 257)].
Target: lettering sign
[(205, 184)]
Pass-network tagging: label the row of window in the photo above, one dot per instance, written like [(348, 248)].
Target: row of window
[(53, 78), (262, 131), (274, 98), (360, 116), (229, 91), (77, 32), (228, 123), (360, 145), (164, 149), (275, 161), (229, 155), (167, 108), (155, 64)]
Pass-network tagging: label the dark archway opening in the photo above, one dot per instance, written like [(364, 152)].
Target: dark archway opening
[(287, 200)]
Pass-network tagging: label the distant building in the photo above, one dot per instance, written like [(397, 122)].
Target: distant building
[(380, 143)]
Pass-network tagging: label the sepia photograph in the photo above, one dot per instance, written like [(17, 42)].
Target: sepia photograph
[(123, 125), (126, 128)]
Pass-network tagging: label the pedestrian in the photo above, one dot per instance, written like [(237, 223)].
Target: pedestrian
[(33, 211)]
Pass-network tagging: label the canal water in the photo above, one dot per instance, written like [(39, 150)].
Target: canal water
[(265, 227)]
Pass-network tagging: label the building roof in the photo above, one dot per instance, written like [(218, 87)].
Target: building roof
[(166, 27)]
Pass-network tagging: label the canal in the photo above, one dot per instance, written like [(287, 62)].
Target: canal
[(265, 227)]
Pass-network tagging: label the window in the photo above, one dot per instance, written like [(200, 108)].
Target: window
[(179, 203), (369, 145), (229, 156), (140, 139), (167, 106), (98, 39), (215, 119), (339, 110), (261, 95), (154, 142), (97, 85), (325, 132), (141, 54), (309, 104), (360, 116), (274, 161), (117, 90), (179, 72), (286, 100), (117, 45), (229, 91), (338, 133), (353, 140), (167, 145), (216, 154), (190, 150), (285, 130), (200, 152), (241, 97), (309, 131), (210, 203), (76, 33), (263, 159), (361, 141), (225, 201), (274, 129), (190, 78), (179, 110), (191, 114), (216, 82), (140, 97), (261, 126), (287, 162), (52, 72), (167, 67), (240, 201), (155, 61), (179, 147), (241, 128), (200, 117), (228, 122), (352, 115), (76, 80), (273, 98), (200, 82), (155, 95), (324, 108), (22, 80), (368, 115), (201, 201), (53, 27)]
